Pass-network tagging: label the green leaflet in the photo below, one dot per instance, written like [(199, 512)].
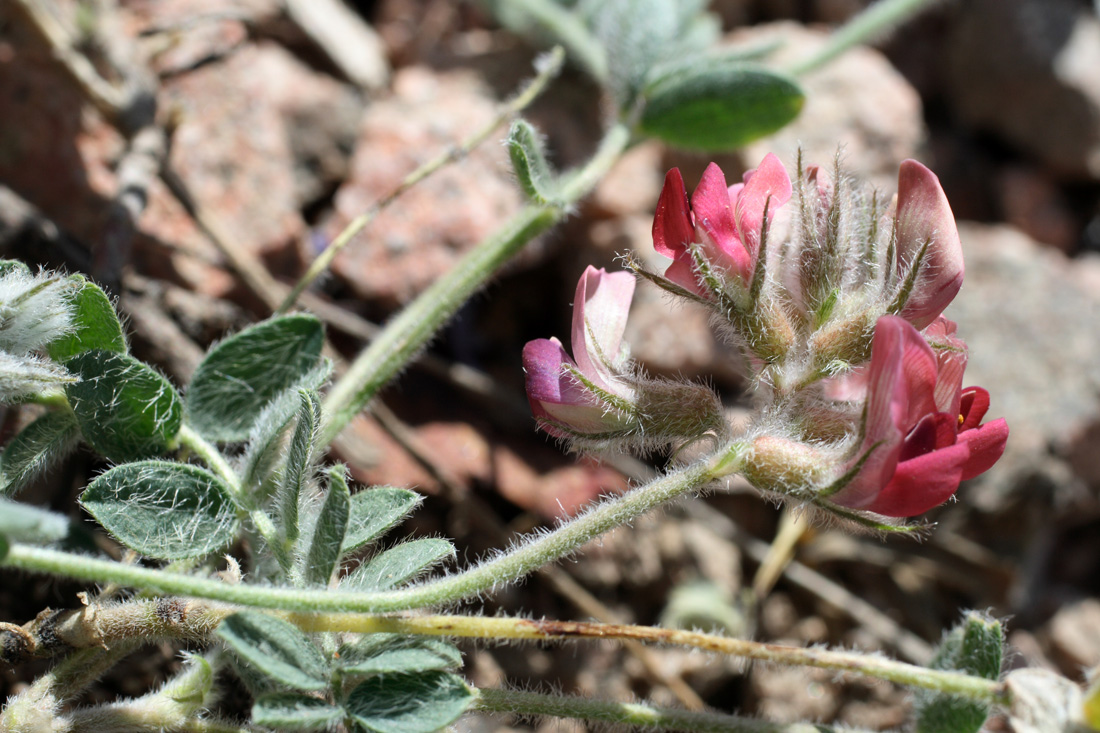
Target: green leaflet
[(293, 711), (328, 532), (277, 649), (164, 510), (409, 703), (536, 178), (243, 373), (975, 646), (374, 511), (392, 653), (37, 447), (95, 321), (398, 564), (718, 106), (125, 409)]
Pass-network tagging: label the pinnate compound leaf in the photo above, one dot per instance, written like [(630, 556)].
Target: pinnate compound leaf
[(23, 523), (292, 711), (164, 510), (38, 446), (718, 106), (328, 532), (373, 512), (277, 649), (398, 564), (125, 409), (409, 703), (96, 325), (243, 373), (528, 154), (975, 646), (392, 653), (299, 461)]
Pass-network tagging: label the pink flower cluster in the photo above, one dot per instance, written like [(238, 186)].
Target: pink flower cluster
[(842, 320)]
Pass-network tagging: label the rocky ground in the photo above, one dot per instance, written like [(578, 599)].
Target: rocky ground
[(278, 131)]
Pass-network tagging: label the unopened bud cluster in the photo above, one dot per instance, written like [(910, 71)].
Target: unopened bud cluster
[(835, 297), (34, 311)]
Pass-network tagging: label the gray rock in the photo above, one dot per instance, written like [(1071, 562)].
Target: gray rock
[(1031, 321), (1029, 70)]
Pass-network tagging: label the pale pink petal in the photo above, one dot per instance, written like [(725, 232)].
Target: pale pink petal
[(600, 309), (923, 215), (951, 356), (555, 394)]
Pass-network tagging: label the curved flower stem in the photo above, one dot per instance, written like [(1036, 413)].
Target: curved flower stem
[(549, 67), (631, 714), (507, 568), (411, 329), (867, 26)]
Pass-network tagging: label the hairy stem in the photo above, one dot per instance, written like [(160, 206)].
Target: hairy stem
[(630, 714), (180, 619), (507, 568), (549, 68), (247, 508), (411, 329), (865, 27)]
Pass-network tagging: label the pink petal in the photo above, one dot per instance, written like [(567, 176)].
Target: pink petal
[(672, 227), (600, 309), (887, 410), (768, 187), (922, 483), (714, 221), (919, 367), (923, 215), (987, 445)]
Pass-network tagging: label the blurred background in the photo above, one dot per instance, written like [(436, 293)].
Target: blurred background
[(279, 121)]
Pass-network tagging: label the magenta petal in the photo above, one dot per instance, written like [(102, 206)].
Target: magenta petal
[(923, 215), (972, 407), (987, 445), (600, 309), (672, 227), (543, 363), (922, 483)]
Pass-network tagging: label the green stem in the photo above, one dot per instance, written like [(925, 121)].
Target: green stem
[(550, 67), (411, 329), (873, 22), (630, 714), (507, 568), (213, 458), (570, 31)]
